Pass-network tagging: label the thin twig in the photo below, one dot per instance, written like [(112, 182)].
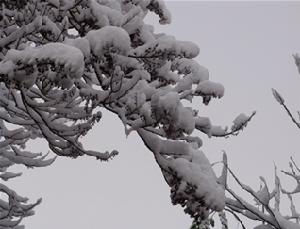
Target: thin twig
[(291, 116), (236, 216)]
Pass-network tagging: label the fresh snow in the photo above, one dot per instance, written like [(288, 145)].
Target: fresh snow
[(109, 37)]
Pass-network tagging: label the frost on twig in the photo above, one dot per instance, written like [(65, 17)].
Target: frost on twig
[(239, 123), (266, 206), (281, 101)]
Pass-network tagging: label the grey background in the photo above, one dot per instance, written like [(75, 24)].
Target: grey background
[(248, 47)]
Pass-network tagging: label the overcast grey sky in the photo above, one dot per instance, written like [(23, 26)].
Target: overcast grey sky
[(248, 47)]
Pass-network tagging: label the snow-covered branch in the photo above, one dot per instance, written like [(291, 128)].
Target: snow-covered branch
[(281, 100), (266, 203), (63, 61)]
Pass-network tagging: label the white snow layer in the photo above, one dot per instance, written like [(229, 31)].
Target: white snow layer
[(190, 165), (109, 37), (70, 57), (239, 121), (163, 12), (196, 170), (80, 43), (168, 44), (209, 88), (169, 105), (190, 67), (106, 14)]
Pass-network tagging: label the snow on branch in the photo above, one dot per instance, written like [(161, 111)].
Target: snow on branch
[(266, 205), (189, 174), (239, 123), (281, 100), (14, 208), (62, 62)]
